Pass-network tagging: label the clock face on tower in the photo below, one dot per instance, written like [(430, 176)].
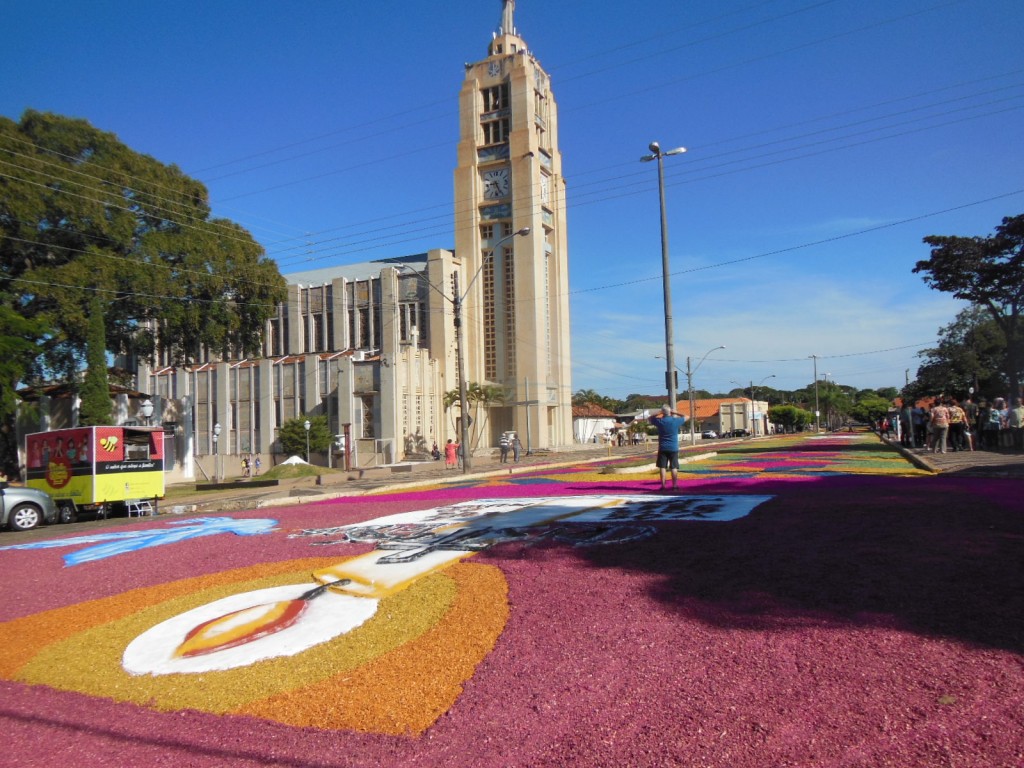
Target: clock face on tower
[(496, 183)]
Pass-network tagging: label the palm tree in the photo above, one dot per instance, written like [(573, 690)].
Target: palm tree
[(478, 396)]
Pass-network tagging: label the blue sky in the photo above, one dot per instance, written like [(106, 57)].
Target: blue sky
[(825, 140)]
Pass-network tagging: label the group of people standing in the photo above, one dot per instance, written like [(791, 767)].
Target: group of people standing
[(452, 454), (509, 442), (251, 465), (453, 451), (948, 424)]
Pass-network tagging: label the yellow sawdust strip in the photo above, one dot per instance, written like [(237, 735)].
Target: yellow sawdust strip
[(21, 639), (406, 690), (90, 661)]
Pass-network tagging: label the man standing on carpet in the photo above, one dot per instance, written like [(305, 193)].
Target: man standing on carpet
[(668, 423)]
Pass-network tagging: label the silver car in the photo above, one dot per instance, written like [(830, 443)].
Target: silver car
[(24, 508)]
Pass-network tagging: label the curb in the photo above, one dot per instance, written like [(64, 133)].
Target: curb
[(918, 461)]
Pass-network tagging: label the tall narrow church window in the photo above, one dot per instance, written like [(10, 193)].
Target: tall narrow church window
[(366, 403), (490, 330), (496, 131), (409, 314), (510, 313), (495, 97)]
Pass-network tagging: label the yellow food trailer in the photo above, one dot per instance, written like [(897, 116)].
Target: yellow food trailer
[(98, 469)]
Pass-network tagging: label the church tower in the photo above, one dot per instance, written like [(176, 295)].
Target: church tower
[(509, 177)]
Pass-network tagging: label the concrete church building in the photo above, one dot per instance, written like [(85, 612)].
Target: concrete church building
[(373, 346)]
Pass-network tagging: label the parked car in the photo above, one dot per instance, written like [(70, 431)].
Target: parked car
[(708, 434), (24, 508)]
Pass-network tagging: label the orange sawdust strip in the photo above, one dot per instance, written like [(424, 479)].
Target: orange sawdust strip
[(22, 639), (406, 690), (90, 661)]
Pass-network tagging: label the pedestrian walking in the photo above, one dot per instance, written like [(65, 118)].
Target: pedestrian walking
[(503, 445), (516, 448)]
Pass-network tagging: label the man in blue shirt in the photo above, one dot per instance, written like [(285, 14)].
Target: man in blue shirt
[(668, 423)]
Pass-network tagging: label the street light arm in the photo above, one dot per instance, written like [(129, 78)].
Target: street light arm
[(662, 357), (656, 152), (706, 357), (421, 276)]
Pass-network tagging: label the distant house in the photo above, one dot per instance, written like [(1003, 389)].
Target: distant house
[(728, 414), (590, 421)]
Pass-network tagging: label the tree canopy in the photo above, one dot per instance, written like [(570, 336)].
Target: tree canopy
[(969, 355), (86, 225), (987, 271), (293, 436), (95, 240)]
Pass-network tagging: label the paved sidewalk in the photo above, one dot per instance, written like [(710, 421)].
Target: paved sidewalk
[(1003, 463)]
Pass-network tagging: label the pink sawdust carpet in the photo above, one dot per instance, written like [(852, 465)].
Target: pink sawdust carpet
[(848, 620)]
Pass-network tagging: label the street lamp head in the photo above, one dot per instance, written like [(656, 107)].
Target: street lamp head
[(216, 429), (146, 408), (655, 148), (306, 425), (523, 232), (676, 151)]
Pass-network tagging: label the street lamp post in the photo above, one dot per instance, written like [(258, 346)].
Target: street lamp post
[(216, 453), (460, 356), (689, 386), (753, 400), (670, 369), (828, 401), (817, 406), (306, 425)]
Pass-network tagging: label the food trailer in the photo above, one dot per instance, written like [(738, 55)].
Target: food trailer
[(98, 469)]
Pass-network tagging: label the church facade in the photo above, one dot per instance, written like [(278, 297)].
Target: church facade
[(372, 346)]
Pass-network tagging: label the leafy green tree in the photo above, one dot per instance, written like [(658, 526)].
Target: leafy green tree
[(19, 345), (589, 396), (96, 408), (82, 215), (637, 402), (790, 418), (835, 404), (292, 435), (870, 408), (987, 272), (969, 354)]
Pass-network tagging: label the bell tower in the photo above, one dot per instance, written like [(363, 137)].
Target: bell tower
[(508, 177)]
